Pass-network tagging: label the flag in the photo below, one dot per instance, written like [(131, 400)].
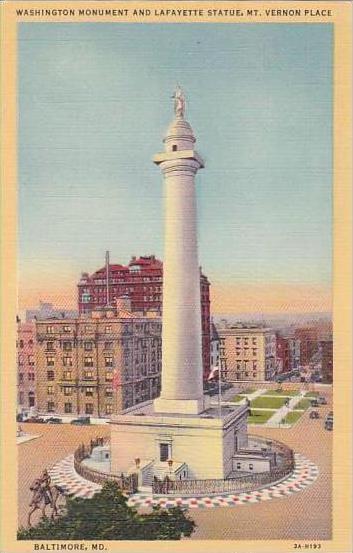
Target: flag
[(116, 382), (214, 374)]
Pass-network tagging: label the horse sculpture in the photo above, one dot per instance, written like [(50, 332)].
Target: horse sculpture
[(44, 494)]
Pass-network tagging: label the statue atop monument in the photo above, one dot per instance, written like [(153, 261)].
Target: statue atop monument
[(179, 102)]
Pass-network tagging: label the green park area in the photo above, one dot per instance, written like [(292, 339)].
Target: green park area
[(268, 402), (312, 394), (281, 392), (292, 417), (259, 417), (303, 404), (237, 398)]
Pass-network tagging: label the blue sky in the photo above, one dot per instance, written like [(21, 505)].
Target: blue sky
[(94, 103)]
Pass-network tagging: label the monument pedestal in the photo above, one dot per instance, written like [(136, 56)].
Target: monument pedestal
[(205, 443)]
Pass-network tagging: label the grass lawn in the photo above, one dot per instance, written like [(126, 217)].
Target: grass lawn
[(259, 417), (289, 393), (303, 404), (268, 402), (237, 398), (312, 394), (292, 417)]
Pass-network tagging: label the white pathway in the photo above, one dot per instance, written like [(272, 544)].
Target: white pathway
[(281, 413)]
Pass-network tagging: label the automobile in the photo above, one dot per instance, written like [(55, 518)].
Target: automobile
[(329, 424), (81, 421), (34, 419), (314, 415), (314, 403), (19, 417), (54, 420), (322, 400)]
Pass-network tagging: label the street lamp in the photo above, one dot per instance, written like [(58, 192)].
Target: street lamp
[(137, 462)]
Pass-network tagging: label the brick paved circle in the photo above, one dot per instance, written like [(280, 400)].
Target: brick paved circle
[(305, 473)]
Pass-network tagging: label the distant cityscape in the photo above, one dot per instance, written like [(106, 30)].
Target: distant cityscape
[(105, 357)]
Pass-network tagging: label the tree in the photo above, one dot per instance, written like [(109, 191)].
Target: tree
[(106, 516)]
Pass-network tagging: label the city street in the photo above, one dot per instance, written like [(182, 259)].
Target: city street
[(304, 515)]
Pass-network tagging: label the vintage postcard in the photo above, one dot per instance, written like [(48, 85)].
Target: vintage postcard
[(176, 356)]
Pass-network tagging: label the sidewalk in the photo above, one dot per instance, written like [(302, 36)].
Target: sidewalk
[(281, 413)]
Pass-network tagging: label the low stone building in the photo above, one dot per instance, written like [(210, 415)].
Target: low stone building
[(98, 364), (247, 353)]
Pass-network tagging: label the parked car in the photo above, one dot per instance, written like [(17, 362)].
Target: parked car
[(322, 400), (314, 403), (34, 419), (329, 424), (19, 417), (81, 421), (54, 420), (314, 415)]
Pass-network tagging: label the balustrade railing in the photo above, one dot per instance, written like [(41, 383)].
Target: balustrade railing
[(244, 483), (127, 483)]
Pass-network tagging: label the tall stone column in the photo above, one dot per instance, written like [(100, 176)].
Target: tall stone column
[(182, 386)]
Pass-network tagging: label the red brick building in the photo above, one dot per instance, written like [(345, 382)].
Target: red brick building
[(282, 354), (141, 280), (326, 350), (309, 343)]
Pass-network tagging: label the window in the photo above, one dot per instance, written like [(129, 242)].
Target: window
[(67, 375), (21, 398), (251, 466), (50, 375), (109, 361), (88, 362), (88, 375), (30, 343), (51, 406), (31, 399), (67, 361), (20, 377), (88, 328), (108, 409), (108, 376), (108, 329), (67, 391), (163, 452), (50, 346), (50, 361), (31, 376), (109, 392), (68, 407), (50, 329), (31, 360), (238, 466), (88, 346), (174, 148), (108, 345), (21, 344), (254, 351), (50, 390), (89, 392), (254, 341), (89, 408), (67, 346), (67, 329)]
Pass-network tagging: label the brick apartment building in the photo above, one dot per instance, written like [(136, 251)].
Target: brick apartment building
[(247, 353), (282, 354), (26, 370), (309, 343), (98, 364), (326, 351), (142, 281)]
